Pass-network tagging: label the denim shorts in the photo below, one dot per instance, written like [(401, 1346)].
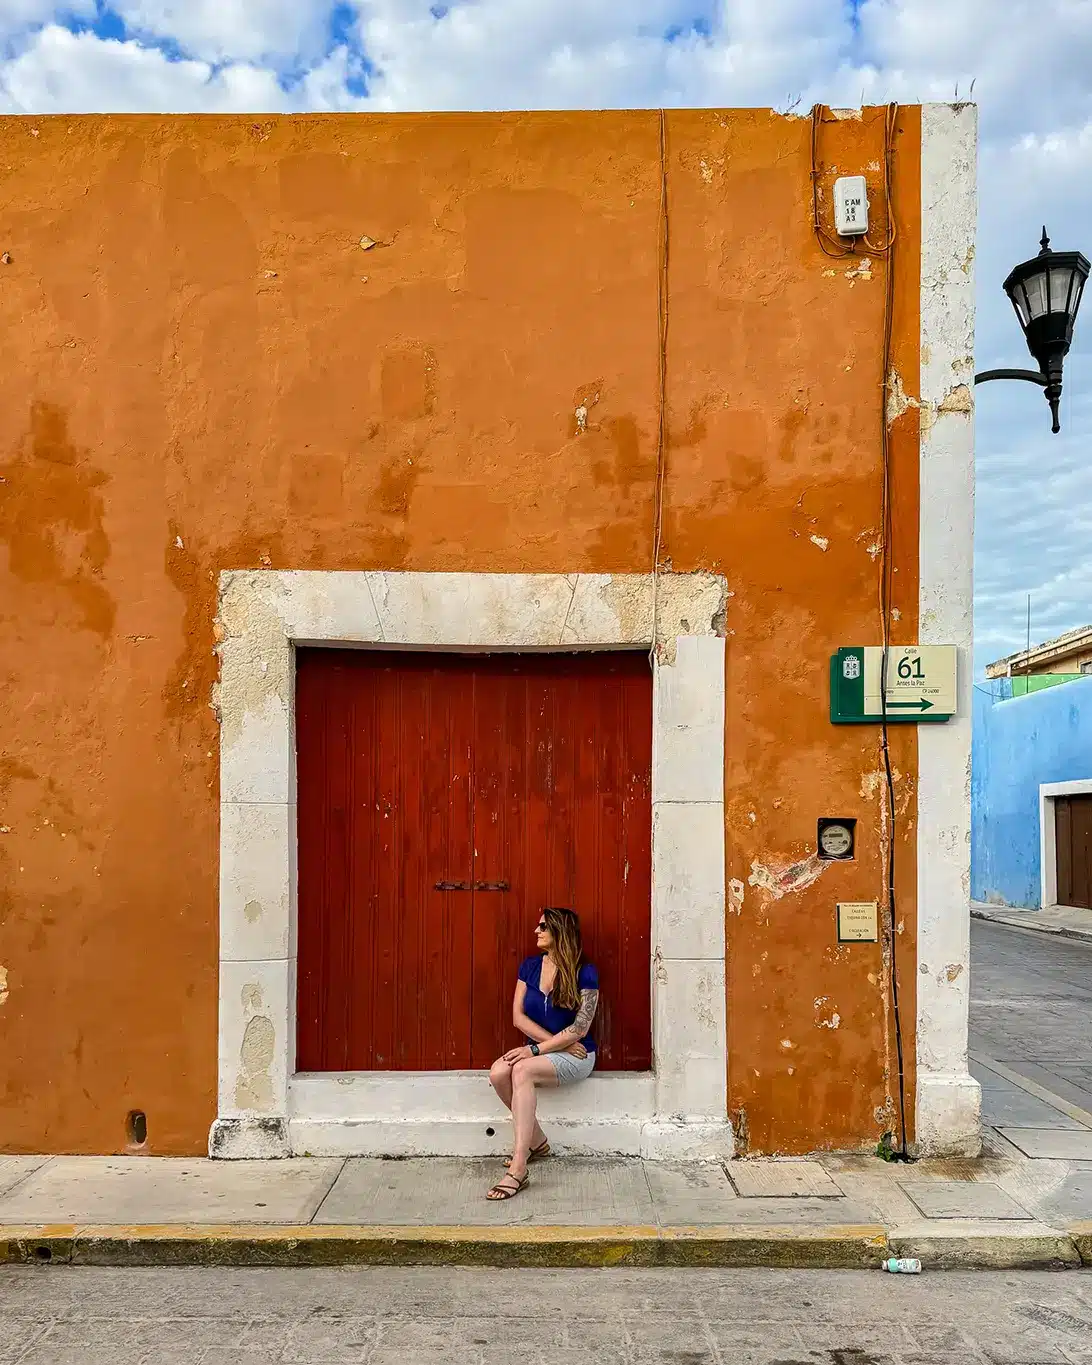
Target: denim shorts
[(571, 1069)]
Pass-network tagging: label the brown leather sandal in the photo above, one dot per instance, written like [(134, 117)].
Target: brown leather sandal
[(500, 1191), (535, 1154)]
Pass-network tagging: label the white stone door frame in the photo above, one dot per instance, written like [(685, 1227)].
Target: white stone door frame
[(264, 1107), (1048, 840)]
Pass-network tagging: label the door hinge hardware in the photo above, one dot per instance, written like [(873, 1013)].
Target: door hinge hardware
[(472, 886)]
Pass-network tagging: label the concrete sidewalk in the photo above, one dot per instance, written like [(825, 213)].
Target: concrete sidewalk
[(1065, 920), (1003, 1210)]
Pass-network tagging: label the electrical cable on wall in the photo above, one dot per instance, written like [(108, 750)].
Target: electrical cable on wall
[(661, 433), (832, 246)]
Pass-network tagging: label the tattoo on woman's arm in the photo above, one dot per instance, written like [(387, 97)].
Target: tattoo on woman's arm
[(589, 1003)]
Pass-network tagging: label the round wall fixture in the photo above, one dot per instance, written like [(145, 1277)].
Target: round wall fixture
[(836, 839)]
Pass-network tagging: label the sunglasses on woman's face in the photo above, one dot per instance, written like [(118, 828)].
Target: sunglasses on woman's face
[(540, 927)]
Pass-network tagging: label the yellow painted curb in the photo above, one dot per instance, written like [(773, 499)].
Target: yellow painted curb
[(310, 1245), (1046, 1250), (47, 1244), (850, 1246), (1082, 1240)]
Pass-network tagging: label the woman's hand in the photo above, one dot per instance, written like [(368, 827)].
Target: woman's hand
[(578, 1050), (518, 1054)]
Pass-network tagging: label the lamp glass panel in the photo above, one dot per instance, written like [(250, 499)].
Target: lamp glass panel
[(1036, 288), (1020, 303), (1060, 278), (1078, 290)]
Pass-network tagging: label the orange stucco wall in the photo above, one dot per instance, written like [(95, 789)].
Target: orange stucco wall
[(201, 368)]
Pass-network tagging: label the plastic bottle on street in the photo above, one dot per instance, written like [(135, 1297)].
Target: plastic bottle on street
[(905, 1265)]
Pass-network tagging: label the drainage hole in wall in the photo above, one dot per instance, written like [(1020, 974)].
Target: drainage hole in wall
[(136, 1127), (43, 1253), (490, 1132)]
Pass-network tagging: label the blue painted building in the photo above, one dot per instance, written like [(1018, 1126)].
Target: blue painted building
[(1019, 745)]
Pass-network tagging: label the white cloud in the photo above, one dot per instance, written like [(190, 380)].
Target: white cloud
[(1028, 60), (79, 73), (21, 14), (232, 30), (594, 53)]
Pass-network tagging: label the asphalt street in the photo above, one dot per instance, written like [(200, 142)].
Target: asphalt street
[(587, 1317), (1031, 1010)]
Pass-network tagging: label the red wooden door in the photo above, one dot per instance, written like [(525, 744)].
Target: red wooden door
[(524, 780)]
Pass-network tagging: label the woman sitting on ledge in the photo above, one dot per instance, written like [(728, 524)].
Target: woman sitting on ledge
[(555, 1002)]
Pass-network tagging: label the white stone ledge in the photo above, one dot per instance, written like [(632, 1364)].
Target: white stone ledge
[(367, 1096), (654, 1141)]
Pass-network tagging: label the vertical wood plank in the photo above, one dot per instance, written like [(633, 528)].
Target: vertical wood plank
[(1081, 851), (1063, 842)]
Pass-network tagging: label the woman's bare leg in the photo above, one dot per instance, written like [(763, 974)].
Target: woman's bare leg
[(526, 1077), (500, 1078)]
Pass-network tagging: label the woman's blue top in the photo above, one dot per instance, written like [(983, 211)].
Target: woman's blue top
[(541, 1009)]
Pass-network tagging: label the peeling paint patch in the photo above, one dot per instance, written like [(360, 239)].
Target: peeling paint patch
[(898, 400), (953, 970), (834, 1019), (957, 399), (254, 1088), (736, 892), (821, 541), (3, 984), (795, 877), (253, 911), (861, 272), (787, 1044)]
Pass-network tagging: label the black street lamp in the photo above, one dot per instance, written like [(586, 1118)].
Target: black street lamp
[(1046, 293)]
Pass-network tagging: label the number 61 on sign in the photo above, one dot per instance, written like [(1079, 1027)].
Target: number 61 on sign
[(918, 684)]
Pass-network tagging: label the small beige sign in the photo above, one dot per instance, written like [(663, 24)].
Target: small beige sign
[(920, 679), (858, 922)]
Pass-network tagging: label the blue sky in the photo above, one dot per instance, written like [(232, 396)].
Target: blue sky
[(1028, 61)]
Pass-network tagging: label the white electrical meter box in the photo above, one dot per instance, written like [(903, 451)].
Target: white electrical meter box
[(850, 206)]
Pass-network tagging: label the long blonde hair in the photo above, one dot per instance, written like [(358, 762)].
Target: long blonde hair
[(567, 952)]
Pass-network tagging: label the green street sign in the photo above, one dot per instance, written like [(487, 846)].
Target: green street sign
[(918, 684)]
